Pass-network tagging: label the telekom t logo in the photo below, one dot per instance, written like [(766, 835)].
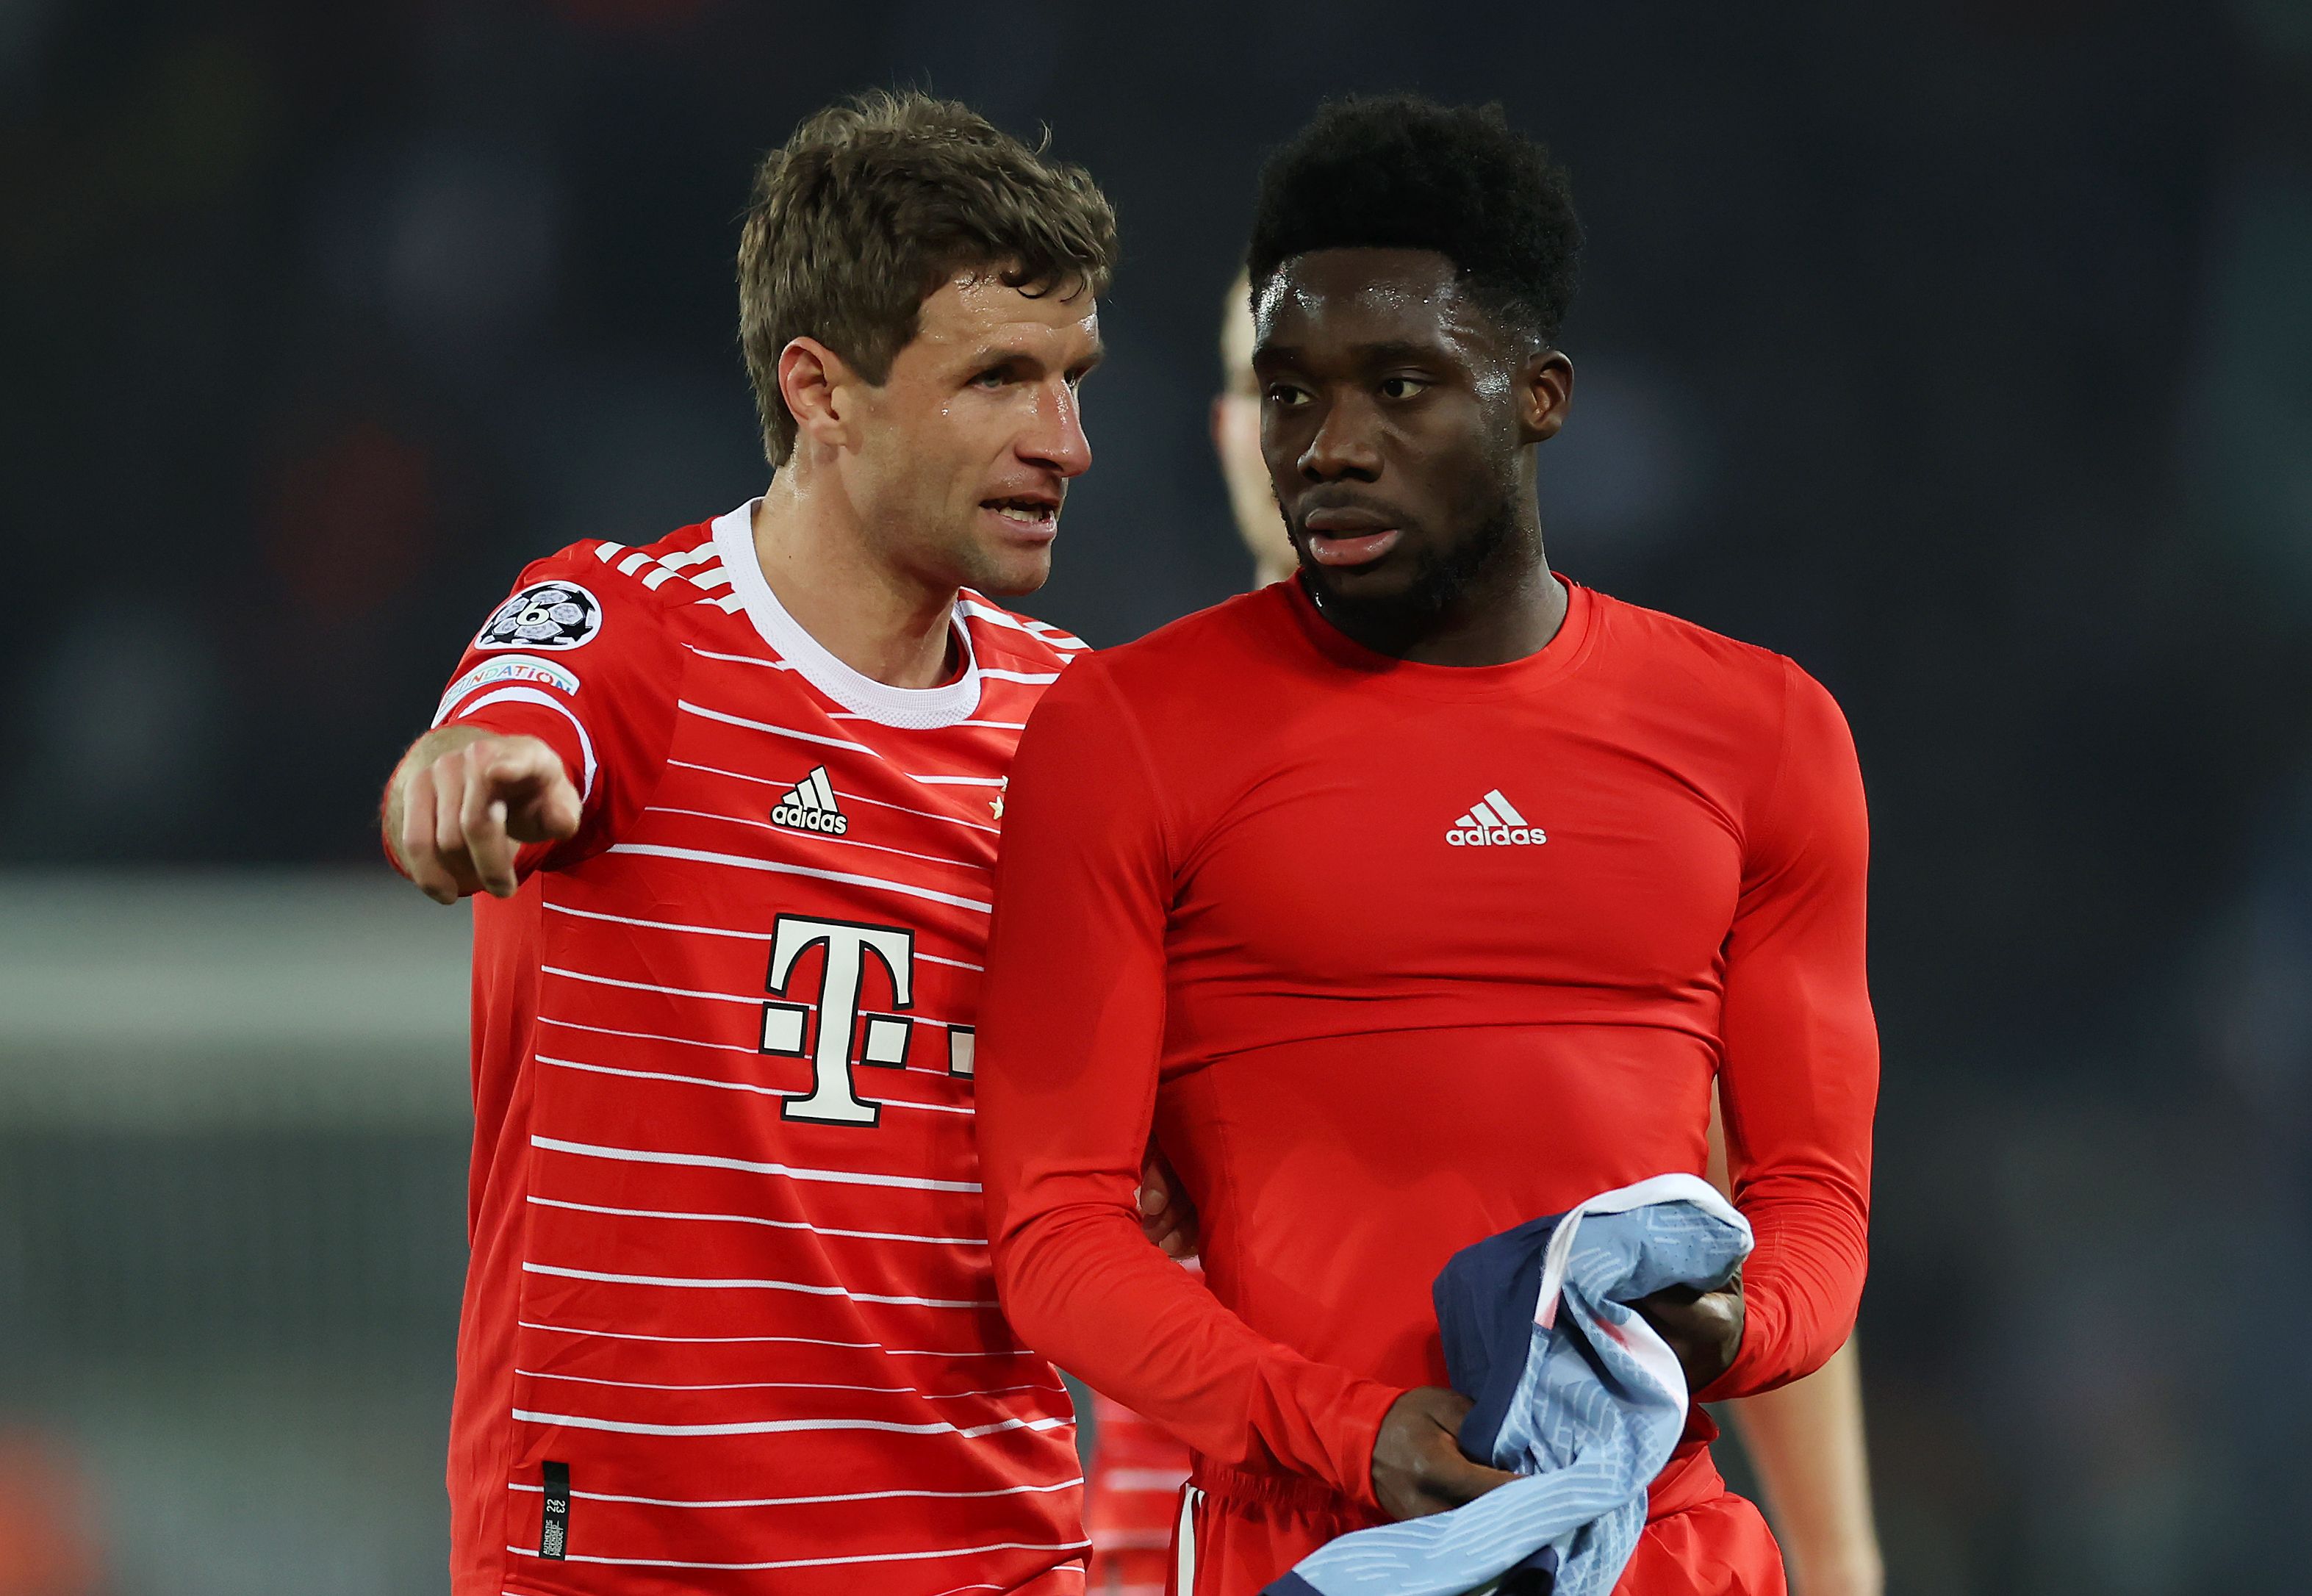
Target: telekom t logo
[(849, 947)]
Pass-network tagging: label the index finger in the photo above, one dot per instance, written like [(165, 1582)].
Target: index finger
[(488, 845)]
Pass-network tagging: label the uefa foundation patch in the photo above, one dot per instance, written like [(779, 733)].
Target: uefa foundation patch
[(526, 669)]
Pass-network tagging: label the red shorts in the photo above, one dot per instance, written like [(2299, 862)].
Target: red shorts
[(1238, 1531)]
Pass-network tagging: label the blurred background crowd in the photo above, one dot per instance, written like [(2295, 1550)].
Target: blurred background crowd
[(1961, 350)]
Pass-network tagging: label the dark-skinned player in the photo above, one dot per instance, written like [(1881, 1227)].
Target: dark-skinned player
[(1415, 898)]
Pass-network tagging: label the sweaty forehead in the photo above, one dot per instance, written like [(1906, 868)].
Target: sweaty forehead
[(1334, 300), (980, 308)]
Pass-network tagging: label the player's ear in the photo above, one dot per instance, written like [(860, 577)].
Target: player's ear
[(812, 378), (1544, 393)]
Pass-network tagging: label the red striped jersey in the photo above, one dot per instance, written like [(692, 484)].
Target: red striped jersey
[(728, 1324)]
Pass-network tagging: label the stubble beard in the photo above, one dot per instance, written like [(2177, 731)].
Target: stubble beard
[(1441, 585)]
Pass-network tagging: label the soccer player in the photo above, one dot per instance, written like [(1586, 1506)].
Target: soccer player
[(1805, 1440), (1413, 898), (732, 796)]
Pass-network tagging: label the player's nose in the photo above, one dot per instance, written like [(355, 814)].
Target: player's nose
[(1346, 443), (1058, 439)]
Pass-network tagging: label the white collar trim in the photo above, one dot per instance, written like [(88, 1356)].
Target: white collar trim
[(914, 708)]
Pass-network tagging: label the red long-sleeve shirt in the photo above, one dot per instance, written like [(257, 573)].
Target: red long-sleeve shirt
[(1394, 957)]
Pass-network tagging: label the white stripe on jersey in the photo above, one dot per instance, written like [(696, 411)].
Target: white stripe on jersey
[(789, 1385), (579, 974), (703, 1283), (813, 737), (780, 1225), (958, 963), (515, 1484), (889, 1352), (926, 814), (740, 659), (709, 1161), (651, 1035), (847, 842), (632, 1075), (588, 913), (775, 1426), (760, 936), (955, 1551), (774, 781), (905, 889), (1041, 632), (1032, 678), (739, 720)]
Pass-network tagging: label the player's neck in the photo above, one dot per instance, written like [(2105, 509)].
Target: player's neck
[(881, 621)]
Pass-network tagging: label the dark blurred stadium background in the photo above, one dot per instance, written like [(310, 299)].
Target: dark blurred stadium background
[(1963, 351)]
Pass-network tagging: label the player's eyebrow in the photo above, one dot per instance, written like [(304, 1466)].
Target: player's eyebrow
[(989, 356), (1396, 351)]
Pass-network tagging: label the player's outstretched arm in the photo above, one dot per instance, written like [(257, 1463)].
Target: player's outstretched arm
[(463, 801)]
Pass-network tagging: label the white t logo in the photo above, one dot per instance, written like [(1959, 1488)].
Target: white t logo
[(832, 1100)]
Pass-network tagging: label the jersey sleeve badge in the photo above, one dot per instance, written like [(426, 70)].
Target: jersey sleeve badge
[(544, 615)]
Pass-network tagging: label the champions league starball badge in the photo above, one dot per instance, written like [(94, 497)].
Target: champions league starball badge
[(545, 615)]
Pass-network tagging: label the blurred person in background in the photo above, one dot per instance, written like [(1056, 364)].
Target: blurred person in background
[(1235, 905), (729, 1322)]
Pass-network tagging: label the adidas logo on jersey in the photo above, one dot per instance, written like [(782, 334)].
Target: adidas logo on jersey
[(1492, 820), (811, 807)]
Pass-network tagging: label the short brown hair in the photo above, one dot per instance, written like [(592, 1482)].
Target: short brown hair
[(876, 201)]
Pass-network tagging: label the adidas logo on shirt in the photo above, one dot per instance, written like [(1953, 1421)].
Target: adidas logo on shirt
[(811, 807), (1492, 820)]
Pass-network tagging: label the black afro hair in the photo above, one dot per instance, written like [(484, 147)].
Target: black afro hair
[(1401, 173)]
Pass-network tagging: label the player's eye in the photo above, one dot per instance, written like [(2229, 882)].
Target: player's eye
[(1285, 396), (993, 378), (1402, 387)]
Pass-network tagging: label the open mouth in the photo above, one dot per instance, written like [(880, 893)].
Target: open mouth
[(1027, 512)]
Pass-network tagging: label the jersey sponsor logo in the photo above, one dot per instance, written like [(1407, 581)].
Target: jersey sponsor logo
[(544, 615), (513, 667), (810, 806), (1491, 822), (786, 1023)]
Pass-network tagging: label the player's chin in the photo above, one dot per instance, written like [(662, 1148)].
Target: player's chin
[(1012, 569), (1373, 582)]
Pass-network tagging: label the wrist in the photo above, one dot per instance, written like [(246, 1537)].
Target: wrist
[(1368, 1407), (1842, 1569)]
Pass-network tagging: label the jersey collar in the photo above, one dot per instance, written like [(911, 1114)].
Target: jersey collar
[(914, 708)]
